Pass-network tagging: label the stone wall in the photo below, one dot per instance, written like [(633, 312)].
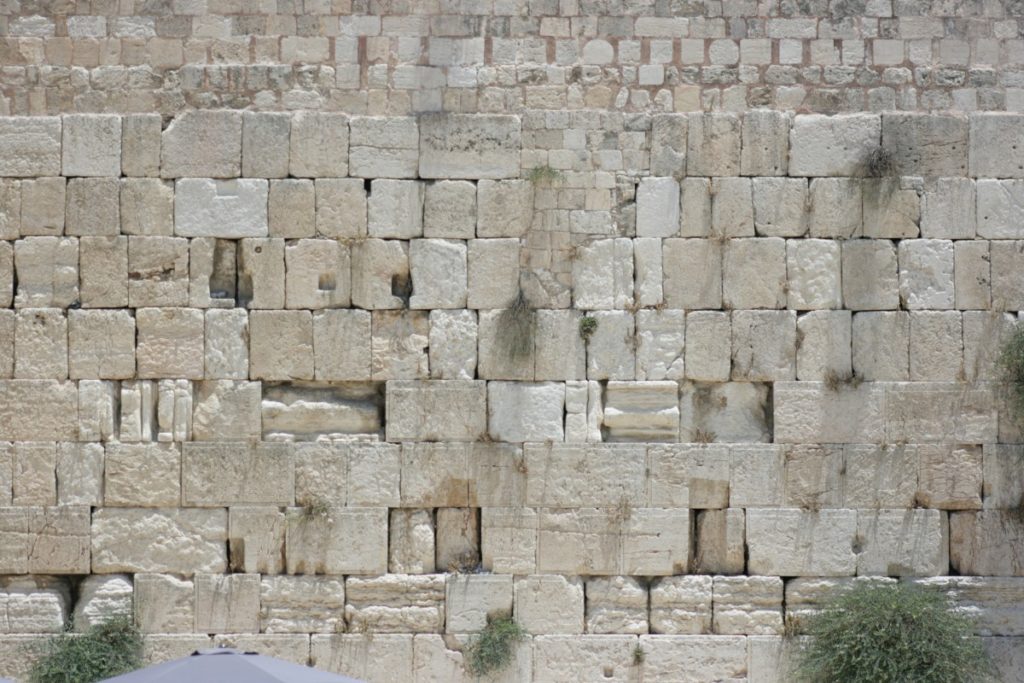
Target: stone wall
[(339, 387), (393, 57)]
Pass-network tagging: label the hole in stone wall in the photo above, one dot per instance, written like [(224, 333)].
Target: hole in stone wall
[(223, 278), (307, 411)]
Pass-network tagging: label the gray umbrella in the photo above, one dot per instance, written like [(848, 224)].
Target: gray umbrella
[(225, 665)]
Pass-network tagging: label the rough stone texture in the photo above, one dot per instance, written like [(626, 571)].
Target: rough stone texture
[(681, 605), (191, 540), (457, 146), (30, 146), (202, 144), (220, 208)]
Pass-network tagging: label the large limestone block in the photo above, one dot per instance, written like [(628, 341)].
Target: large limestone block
[(256, 539), (43, 206), (453, 344), (813, 269), (708, 350), (340, 541), (881, 345), (46, 269), (291, 208), (509, 539), (780, 206), (79, 474), (793, 542), (380, 274), (469, 146), (341, 211), (948, 209), (226, 343), (521, 411), (40, 344), (616, 604), (91, 145), (504, 208), (936, 345), (825, 345), (648, 541), (265, 144), (689, 476), (836, 208), (747, 605), (341, 345), (321, 473), (606, 658), (986, 543), (1005, 654), (170, 342), (993, 602), (713, 145), (436, 410), (458, 538), (809, 412), (694, 659), (104, 272), (158, 271), (493, 272), (449, 210), (396, 603), (439, 273), (30, 146), (814, 476), (140, 144), (146, 206), (164, 604), (1003, 481), (765, 143), (764, 345), (92, 206), (614, 474), (472, 599), (204, 207), (693, 273), (1007, 274), (302, 604), (142, 475), (451, 474), (383, 147), (180, 541), (548, 604), (602, 275), (443, 658), (411, 542), (649, 271), (227, 603), (395, 209), (926, 274), (995, 145), (318, 145), (641, 411), (870, 275), (370, 656), (100, 597), (38, 410), (695, 207), (661, 335), (925, 144), (892, 207), (721, 547), (225, 410), (668, 144), (1000, 208), (281, 345), (202, 144), (34, 606), (919, 412), (657, 207), (732, 208), (833, 145), (880, 476), (754, 273), (34, 482), (317, 274), (902, 542), (237, 473)]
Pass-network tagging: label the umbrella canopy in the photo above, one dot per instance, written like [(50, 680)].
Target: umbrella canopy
[(225, 665)]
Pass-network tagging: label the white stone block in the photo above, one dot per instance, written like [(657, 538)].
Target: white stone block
[(436, 410), (881, 345), (832, 145), (317, 274), (611, 351), (30, 146), (995, 149), (732, 207), (713, 145), (193, 540), (472, 599), (395, 209), (469, 146), (396, 603), (792, 542), (926, 274), (661, 335), (616, 604), (519, 412), (657, 207), (449, 210), (318, 145), (764, 345), (439, 273), (695, 207), (902, 542), (708, 346), (453, 344), (493, 272), (754, 273), (681, 605), (91, 145), (411, 541), (747, 605), (383, 147), (220, 208), (780, 207), (47, 272), (603, 274), (948, 209), (836, 208), (870, 275), (726, 412), (265, 144), (549, 604), (202, 144), (813, 268), (301, 604), (504, 208), (824, 349)]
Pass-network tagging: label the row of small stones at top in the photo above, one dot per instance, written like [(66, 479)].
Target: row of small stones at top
[(226, 144)]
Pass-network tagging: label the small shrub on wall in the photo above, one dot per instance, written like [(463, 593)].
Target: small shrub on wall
[(1011, 368), (891, 633), (108, 649)]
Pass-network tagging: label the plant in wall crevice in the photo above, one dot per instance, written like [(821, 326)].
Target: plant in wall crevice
[(107, 649), (1011, 370), (890, 633), (494, 648)]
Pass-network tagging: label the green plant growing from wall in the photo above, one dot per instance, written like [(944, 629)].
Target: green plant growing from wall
[(588, 326), (890, 633), (1011, 370), (493, 649), (516, 325), (107, 649), (544, 175)]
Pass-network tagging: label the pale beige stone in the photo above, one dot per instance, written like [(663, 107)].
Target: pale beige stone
[(40, 344), (237, 473), (611, 349), (411, 542), (47, 272), (103, 596), (342, 541), (193, 540), (902, 542), (986, 543), (104, 272), (793, 542), (380, 274), (34, 474), (79, 474), (164, 604), (732, 208), (439, 273), (693, 273), (341, 345), (458, 538), (201, 144), (91, 145), (616, 604), (281, 345), (449, 210), (226, 344), (256, 539), (31, 146), (681, 605), (880, 476), (226, 409), (504, 208), (340, 208), (265, 144), (158, 270), (92, 206), (227, 603), (170, 342), (713, 145), (146, 207), (371, 656), (384, 146), (708, 347), (140, 144), (142, 475), (465, 145), (453, 344), (548, 603), (615, 473), (824, 345), (291, 208), (261, 273), (721, 547), (398, 345), (763, 345), (396, 603), (38, 410), (881, 345), (747, 605), (780, 206), (302, 604), (317, 274), (395, 209), (436, 410), (318, 145)]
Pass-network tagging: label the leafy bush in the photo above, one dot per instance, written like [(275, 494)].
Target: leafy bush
[(891, 633), (492, 650), (105, 650), (588, 326), (1011, 369)]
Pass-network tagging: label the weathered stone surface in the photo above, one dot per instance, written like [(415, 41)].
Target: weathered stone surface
[(791, 542), (701, 262), (813, 269), (142, 475), (47, 272), (256, 539), (158, 271), (91, 145), (469, 146), (202, 144), (504, 208), (765, 143), (833, 145), (301, 604), (825, 345), (341, 211), (936, 345), (396, 603), (140, 144), (342, 541), (317, 274), (92, 206), (38, 410), (547, 603), (472, 599), (439, 273), (383, 147), (995, 150), (370, 656), (190, 540), (720, 542), (265, 144), (234, 473), (763, 345), (693, 476), (104, 272), (657, 207), (40, 344), (836, 208), (552, 475), (994, 602), (453, 344), (616, 604), (641, 411), (99, 597), (747, 605), (1000, 208), (380, 274), (808, 412), (225, 410), (926, 273), (948, 209), (708, 346), (713, 145), (425, 410), (227, 603), (341, 345), (881, 345), (170, 342), (902, 543), (754, 273), (30, 146), (587, 658), (318, 145), (519, 411), (449, 210), (146, 206), (411, 542), (603, 275), (986, 543), (880, 476), (291, 208), (668, 144), (281, 345), (220, 208), (925, 144), (780, 206), (164, 604)]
